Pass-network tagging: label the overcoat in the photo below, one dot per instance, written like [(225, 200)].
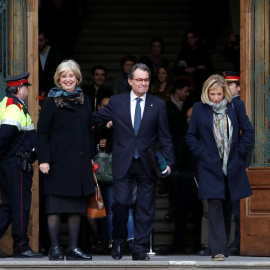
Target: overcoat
[(65, 141), (201, 142)]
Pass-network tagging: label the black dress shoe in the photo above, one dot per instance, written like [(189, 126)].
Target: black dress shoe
[(28, 254), (2, 254), (140, 256), (56, 254), (76, 254), (117, 252)]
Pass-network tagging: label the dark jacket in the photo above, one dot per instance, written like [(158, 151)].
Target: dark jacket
[(96, 96), (201, 142), (46, 80), (65, 141), (153, 129)]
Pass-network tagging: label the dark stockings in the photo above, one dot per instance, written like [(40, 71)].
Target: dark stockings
[(54, 229), (74, 221)]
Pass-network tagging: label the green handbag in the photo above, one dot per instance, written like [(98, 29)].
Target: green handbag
[(104, 171)]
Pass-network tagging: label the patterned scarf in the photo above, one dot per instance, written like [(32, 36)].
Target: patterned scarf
[(61, 97), (221, 131)]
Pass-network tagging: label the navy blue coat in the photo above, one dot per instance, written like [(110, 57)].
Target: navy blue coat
[(201, 142), (154, 128)]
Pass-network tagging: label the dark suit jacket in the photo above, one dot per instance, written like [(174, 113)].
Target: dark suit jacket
[(46, 81), (154, 128), (201, 142)]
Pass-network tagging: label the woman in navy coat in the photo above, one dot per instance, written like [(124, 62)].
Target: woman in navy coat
[(219, 136)]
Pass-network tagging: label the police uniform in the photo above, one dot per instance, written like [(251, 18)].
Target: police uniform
[(17, 148)]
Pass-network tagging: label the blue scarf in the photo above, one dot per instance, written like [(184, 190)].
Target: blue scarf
[(57, 92)]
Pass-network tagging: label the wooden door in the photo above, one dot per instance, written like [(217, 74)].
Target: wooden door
[(255, 85)]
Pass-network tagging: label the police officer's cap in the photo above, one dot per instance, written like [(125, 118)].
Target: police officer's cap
[(19, 80), (231, 76)]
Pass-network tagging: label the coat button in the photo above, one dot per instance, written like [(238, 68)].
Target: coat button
[(81, 152)]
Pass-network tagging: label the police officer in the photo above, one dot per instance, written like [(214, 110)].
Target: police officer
[(17, 153), (233, 80)]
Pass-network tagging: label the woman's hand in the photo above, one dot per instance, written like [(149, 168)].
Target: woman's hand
[(44, 167)]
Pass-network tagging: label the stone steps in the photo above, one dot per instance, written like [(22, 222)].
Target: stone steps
[(156, 263)]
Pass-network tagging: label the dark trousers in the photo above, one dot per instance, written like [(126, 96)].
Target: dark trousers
[(219, 218), (15, 186), (144, 207)]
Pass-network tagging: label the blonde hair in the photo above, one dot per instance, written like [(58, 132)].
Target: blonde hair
[(213, 82), (66, 66)]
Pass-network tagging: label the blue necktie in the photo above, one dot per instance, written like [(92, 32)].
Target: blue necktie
[(137, 122)]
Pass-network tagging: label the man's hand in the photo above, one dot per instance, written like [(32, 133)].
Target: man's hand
[(44, 167)]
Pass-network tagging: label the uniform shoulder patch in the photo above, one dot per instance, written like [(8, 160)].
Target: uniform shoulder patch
[(11, 101)]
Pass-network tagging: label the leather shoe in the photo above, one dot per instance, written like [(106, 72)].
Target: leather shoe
[(55, 254), (2, 254), (117, 252), (76, 254), (28, 254), (140, 256)]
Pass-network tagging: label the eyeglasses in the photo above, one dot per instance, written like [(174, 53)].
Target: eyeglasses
[(147, 80)]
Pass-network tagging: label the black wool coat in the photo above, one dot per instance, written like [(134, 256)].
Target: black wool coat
[(65, 141)]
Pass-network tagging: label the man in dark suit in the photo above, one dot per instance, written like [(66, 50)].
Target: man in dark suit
[(140, 121), (49, 59)]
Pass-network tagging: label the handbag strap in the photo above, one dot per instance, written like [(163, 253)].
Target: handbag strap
[(95, 178)]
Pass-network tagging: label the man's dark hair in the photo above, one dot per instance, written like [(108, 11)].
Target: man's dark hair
[(140, 66), (180, 84), (126, 58), (12, 89), (99, 67)]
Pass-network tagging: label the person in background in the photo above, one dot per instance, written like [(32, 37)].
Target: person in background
[(96, 91), (155, 57), (140, 122), (232, 78), (104, 141), (121, 84), (17, 153), (163, 83), (49, 59), (65, 144), (213, 138), (193, 62)]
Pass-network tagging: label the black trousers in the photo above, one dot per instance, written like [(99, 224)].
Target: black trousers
[(144, 217), (219, 218), (15, 186)]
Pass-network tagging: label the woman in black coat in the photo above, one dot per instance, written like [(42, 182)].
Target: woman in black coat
[(65, 150), (214, 138)]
